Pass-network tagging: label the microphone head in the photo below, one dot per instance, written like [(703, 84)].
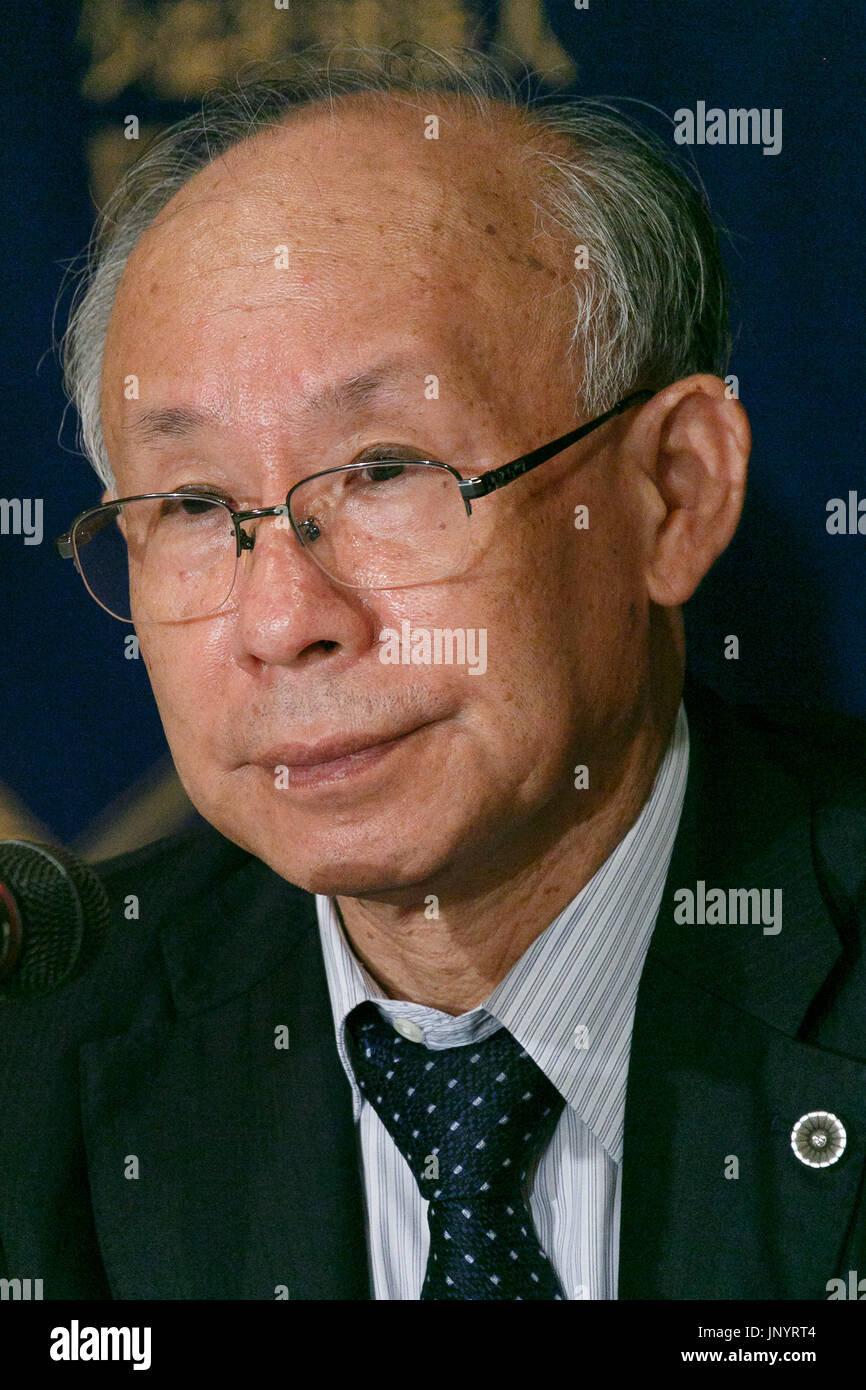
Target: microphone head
[(53, 917)]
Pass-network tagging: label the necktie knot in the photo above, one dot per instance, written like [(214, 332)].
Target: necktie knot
[(473, 1116)]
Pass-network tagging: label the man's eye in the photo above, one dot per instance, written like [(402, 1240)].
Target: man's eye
[(194, 506), (382, 472), (200, 505), (206, 490), (385, 462)]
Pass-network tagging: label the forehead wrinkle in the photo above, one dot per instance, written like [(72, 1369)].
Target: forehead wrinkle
[(443, 192), (349, 395), (447, 218)]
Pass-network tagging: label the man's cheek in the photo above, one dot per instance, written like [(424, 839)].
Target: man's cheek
[(143, 645), (154, 660), (169, 676)]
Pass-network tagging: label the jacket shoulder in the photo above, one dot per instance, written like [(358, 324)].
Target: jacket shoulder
[(823, 749), (826, 747), (816, 759)]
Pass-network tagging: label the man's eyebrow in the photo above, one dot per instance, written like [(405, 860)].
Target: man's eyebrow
[(351, 393), (169, 422)]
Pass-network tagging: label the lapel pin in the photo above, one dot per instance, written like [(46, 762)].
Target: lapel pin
[(818, 1139)]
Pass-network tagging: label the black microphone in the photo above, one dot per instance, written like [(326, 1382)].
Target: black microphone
[(53, 918)]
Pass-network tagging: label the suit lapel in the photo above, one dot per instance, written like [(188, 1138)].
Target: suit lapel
[(221, 1165), (714, 1202)]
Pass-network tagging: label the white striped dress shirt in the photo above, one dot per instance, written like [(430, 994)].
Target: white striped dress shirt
[(569, 1001)]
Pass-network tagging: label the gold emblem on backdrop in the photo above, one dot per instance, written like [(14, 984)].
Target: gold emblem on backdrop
[(174, 51)]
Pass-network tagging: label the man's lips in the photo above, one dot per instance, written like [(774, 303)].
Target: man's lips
[(335, 756)]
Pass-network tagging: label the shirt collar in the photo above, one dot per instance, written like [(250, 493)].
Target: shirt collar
[(569, 1000)]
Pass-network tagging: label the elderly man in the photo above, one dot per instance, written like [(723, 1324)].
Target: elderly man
[(502, 970)]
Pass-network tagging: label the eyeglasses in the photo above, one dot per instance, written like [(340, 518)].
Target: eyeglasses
[(383, 524)]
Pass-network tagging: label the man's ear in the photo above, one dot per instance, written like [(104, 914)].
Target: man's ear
[(692, 444)]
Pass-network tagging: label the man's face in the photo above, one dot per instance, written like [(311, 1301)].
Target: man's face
[(408, 259)]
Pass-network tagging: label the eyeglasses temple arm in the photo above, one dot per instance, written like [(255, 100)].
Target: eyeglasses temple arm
[(497, 477), (87, 526)]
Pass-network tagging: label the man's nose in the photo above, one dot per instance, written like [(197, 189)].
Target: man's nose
[(287, 606)]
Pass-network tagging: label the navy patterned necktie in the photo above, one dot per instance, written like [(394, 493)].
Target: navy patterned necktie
[(469, 1121)]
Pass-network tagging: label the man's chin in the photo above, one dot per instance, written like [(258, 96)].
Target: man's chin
[(367, 879), (383, 860)]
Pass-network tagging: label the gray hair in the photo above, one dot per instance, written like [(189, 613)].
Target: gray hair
[(650, 307)]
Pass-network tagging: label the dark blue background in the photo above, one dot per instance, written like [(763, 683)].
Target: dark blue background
[(79, 724)]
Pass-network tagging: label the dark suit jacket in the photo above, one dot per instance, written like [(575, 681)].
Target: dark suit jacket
[(248, 1170)]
